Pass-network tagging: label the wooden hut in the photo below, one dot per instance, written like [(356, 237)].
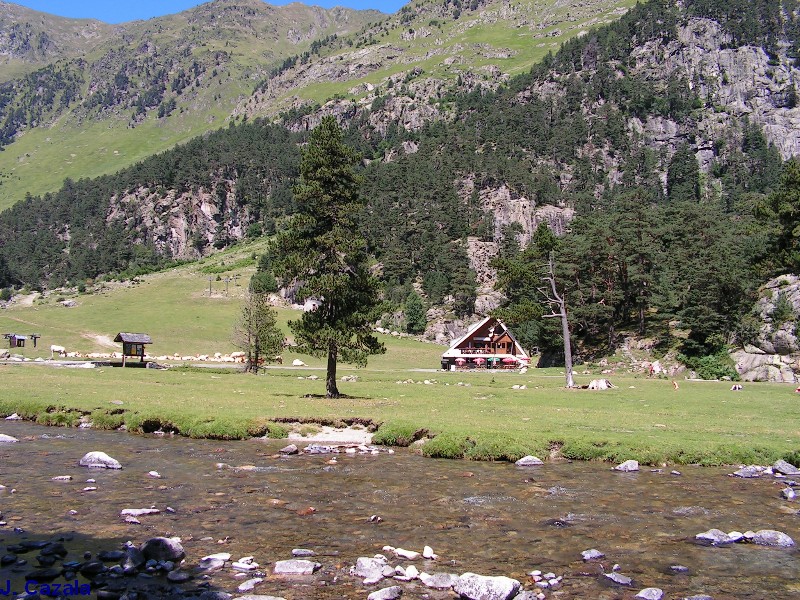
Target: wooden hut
[(133, 345), (15, 340), (487, 344)]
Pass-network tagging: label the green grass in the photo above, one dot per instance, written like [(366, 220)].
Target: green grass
[(703, 422)]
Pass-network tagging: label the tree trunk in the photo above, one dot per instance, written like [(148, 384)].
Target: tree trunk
[(330, 380), (570, 382)]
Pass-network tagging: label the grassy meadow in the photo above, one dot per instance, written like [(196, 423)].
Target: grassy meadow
[(476, 415)]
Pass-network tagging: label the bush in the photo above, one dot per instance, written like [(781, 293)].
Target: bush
[(6, 294), (714, 366)]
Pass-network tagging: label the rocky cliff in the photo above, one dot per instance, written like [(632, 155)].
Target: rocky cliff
[(774, 353)]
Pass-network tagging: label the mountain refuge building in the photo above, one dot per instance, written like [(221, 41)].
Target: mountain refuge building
[(487, 344)]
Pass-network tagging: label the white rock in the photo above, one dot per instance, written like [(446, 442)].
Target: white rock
[(7, 439), (389, 593), (439, 581), (529, 461), (479, 587), (250, 584), (154, 474), (295, 567), (407, 554), (99, 460), (650, 594), (628, 466), (138, 512), (427, 552)]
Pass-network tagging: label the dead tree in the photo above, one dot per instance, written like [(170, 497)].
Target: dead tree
[(559, 307)]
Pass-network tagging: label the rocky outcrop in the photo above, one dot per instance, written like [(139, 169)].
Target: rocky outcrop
[(774, 354), (181, 225)]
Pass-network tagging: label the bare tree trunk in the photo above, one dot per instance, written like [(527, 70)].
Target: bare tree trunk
[(559, 307), (330, 380)]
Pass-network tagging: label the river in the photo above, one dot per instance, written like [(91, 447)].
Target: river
[(486, 518)]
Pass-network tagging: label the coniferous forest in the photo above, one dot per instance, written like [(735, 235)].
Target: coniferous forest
[(655, 239)]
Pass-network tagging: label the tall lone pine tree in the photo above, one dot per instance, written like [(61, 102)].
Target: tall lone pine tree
[(323, 252)]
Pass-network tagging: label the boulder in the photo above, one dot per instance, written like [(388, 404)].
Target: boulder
[(529, 461), (439, 581), (161, 548), (650, 594), (370, 569), (99, 460), (471, 586), (619, 578), (715, 537), (749, 472), (295, 567), (772, 538), (298, 363), (7, 439), (290, 449), (389, 593), (592, 554), (785, 468), (600, 384), (628, 466)]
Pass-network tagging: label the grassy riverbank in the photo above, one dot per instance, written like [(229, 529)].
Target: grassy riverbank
[(702, 422)]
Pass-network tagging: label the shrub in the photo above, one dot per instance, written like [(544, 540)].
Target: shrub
[(714, 366), (260, 427)]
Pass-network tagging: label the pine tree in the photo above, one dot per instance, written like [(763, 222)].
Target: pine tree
[(257, 333), (416, 319), (322, 250)]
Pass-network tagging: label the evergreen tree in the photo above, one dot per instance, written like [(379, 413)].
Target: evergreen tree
[(683, 175), (323, 252), (416, 320), (783, 207), (257, 333)]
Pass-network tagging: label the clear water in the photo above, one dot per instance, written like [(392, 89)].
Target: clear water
[(492, 519)]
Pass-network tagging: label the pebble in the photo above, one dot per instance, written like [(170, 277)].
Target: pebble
[(427, 552), (619, 579), (248, 585)]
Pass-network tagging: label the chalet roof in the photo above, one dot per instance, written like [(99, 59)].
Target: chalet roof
[(133, 338)]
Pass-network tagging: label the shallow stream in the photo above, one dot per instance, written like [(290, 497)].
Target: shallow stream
[(491, 519)]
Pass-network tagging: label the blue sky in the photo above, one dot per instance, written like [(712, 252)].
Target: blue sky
[(115, 11)]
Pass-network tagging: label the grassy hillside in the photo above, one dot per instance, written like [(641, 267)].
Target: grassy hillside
[(142, 87), (175, 308)]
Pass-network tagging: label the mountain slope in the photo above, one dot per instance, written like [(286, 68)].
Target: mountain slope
[(150, 85), (155, 83)]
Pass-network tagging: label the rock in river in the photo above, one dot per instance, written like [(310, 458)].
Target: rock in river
[(161, 548), (389, 593), (774, 539), (650, 594), (785, 468), (529, 461), (628, 466), (7, 439), (99, 460), (295, 567), (480, 587), (715, 537)]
